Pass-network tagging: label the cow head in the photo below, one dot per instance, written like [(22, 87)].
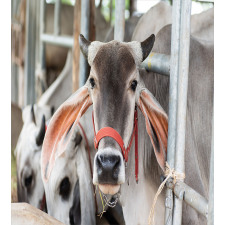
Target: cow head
[(114, 88), (69, 192), (62, 188), (28, 151)]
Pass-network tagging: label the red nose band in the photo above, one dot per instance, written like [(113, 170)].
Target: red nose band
[(110, 132)]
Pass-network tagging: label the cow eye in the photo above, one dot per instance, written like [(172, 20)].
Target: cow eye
[(133, 85), (92, 82), (28, 181), (64, 189)]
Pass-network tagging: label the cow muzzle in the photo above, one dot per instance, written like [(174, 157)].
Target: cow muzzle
[(109, 170)]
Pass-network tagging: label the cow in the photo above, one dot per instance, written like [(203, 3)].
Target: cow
[(70, 195), (28, 149), (202, 24), (160, 15), (115, 87)]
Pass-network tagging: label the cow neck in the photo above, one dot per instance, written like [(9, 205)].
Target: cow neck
[(110, 132), (89, 157)]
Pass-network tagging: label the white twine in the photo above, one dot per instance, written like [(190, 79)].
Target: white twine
[(170, 172)]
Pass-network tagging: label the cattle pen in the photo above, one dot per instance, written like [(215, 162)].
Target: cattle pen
[(176, 66)]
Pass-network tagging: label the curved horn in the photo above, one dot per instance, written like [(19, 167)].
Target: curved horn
[(84, 44), (32, 114), (41, 133), (147, 45)]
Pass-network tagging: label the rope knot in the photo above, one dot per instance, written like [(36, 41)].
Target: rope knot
[(169, 172)]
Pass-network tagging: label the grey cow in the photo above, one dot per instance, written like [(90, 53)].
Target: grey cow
[(160, 15), (114, 87)]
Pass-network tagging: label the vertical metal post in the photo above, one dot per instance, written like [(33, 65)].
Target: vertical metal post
[(42, 30), (119, 20), (182, 99), (211, 181), (85, 24), (174, 67), (57, 17), (38, 5), (30, 52), (14, 83)]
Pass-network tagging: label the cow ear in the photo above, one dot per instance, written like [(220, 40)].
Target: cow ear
[(146, 46), (156, 124), (61, 127)]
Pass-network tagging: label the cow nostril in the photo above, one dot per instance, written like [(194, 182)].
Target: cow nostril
[(116, 161), (116, 167), (99, 161)]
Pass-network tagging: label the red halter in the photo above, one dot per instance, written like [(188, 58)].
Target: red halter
[(110, 132)]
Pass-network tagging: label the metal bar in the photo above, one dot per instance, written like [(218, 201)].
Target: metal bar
[(211, 181), (119, 20), (182, 89), (57, 17), (38, 5), (29, 81), (65, 41), (174, 66), (184, 192), (158, 63), (84, 29), (42, 30)]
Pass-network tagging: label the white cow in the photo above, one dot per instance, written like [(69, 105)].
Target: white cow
[(29, 184)]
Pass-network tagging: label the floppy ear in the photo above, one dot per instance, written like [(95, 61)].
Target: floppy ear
[(156, 124), (57, 134)]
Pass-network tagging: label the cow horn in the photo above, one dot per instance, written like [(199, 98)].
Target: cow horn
[(146, 46), (41, 133), (84, 44), (32, 114)]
